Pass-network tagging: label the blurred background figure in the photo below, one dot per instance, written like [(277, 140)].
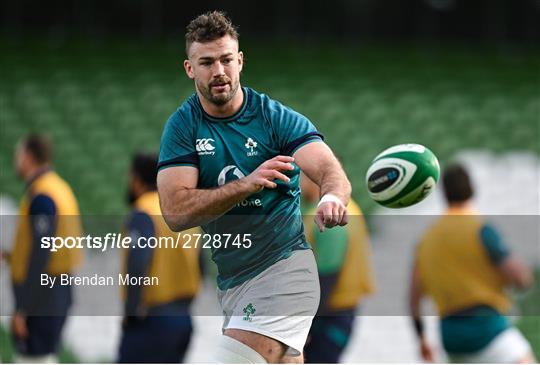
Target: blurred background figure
[(465, 266), (343, 257), (157, 325), (48, 208)]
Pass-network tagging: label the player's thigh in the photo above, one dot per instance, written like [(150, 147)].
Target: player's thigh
[(161, 339), (329, 336), (510, 346), (44, 334), (271, 349), (279, 303)]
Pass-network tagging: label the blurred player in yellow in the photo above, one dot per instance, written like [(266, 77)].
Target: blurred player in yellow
[(157, 325), (48, 208), (345, 274), (464, 265)]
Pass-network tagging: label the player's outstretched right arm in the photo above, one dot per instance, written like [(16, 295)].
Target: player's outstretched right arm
[(184, 205)]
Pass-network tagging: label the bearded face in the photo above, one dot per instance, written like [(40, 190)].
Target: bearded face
[(215, 67), (220, 90)]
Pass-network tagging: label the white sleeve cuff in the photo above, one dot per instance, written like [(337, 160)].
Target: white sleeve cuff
[(330, 198)]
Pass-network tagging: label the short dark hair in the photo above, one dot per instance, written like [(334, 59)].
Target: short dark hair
[(39, 146), (208, 27), (457, 184), (144, 166)]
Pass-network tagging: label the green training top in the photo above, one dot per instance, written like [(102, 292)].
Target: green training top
[(226, 149)]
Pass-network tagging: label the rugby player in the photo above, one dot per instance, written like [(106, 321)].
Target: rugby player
[(48, 208), (343, 258), (464, 265), (230, 160), (157, 324)]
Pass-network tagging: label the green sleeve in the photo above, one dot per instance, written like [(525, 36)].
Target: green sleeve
[(178, 143), (330, 249), (494, 245), (292, 129)]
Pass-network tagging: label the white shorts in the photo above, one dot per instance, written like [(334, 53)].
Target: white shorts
[(279, 303), (508, 347)]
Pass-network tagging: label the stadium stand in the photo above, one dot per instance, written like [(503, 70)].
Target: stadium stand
[(90, 100)]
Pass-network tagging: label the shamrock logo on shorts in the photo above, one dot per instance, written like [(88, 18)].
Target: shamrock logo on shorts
[(249, 310)]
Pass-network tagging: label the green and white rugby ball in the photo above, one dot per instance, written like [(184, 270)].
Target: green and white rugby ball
[(402, 175)]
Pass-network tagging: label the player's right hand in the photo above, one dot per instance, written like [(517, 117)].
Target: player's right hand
[(267, 172), (18, 325), (5, 256), (426, 351)]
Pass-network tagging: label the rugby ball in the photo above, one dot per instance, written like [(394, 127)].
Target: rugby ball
[(402, 175)]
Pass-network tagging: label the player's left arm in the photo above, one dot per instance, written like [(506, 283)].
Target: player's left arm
[(514, 271), (318, 162)]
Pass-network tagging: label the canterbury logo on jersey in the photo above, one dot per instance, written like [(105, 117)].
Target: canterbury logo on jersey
[(204, 146)]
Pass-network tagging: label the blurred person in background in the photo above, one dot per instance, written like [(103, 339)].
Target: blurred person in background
[(157, 325), (343, 259), (465, 266), (48, 208)]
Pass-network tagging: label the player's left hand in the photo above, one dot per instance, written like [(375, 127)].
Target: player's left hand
[(331, 213)]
